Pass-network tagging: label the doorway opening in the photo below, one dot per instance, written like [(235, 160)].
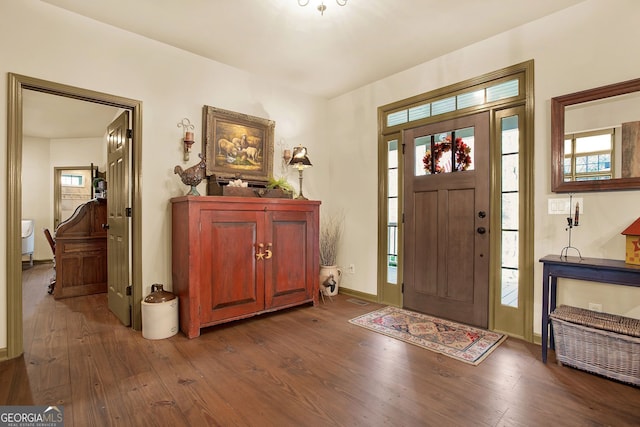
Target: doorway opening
[(18, 84), (507, 298)]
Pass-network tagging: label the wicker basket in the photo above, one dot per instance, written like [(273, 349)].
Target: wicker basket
[(601, 343)]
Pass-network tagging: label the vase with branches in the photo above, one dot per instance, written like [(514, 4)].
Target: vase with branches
[(331, 229)]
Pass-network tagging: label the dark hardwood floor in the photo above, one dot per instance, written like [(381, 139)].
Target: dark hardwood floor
[(301, 367)]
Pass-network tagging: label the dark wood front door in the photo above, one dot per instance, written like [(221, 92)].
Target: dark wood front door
[(446, 209)]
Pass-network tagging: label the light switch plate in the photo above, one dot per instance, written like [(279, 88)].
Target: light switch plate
[(560, 206)]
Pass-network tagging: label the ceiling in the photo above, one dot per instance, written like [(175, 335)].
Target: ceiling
[(297, 47), (54, 117)]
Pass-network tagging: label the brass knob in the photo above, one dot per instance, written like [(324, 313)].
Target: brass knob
[(268, 253), (259, 253)]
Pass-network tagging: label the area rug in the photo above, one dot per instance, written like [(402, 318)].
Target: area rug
[(461, 342)]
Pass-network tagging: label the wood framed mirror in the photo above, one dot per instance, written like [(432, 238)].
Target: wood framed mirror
[(577, 165)]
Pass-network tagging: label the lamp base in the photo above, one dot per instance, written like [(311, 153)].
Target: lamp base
[(300, 196)]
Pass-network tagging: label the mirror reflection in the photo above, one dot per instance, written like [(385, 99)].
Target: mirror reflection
[(601, 138), (595, 139)]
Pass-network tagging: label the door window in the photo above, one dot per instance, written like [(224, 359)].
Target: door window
[(444, 152)]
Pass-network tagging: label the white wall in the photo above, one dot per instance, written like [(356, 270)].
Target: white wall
[(42, 41), (586, 46), (36, 192)]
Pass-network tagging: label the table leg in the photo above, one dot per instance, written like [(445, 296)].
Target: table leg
[(545, 312), (553, 292)]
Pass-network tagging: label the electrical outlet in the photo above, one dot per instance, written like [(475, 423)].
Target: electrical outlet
[(595, 307), (352, 269)]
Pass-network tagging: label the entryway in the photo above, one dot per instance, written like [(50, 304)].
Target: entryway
[(455, 225), (17, 84)]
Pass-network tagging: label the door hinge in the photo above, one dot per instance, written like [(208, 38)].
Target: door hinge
[(403, 217), (127, 212), (403, 144), (129, 133), (402, 288), (128, 291)]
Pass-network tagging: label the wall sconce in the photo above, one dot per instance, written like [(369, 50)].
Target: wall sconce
[(187, 139), (300, 161)]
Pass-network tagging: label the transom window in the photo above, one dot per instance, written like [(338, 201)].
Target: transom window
[(467, 99)]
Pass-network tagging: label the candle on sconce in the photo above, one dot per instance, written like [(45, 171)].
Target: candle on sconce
[(575, 220), (188, 136)]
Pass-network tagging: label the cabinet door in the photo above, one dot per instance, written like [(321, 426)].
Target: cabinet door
[(232, 279), (289, 270)]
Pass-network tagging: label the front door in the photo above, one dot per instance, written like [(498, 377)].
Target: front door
[(446, 207), (117, 218)]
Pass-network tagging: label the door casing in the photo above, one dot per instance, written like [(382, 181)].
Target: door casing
[(18, 83)]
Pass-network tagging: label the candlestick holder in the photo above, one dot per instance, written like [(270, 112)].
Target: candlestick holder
[(187, 140), (571, 223)]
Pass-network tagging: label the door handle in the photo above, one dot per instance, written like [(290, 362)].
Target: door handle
[(481, 230), (105, 226)]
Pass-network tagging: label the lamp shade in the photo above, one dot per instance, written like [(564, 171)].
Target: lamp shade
[(299, 158)]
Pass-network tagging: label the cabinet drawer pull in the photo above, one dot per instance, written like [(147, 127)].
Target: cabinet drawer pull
[(268, 253), (259, 253)]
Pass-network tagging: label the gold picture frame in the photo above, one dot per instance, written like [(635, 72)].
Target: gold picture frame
[(238, 146)]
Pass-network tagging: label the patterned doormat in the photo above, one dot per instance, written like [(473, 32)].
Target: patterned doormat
[(461, 342)]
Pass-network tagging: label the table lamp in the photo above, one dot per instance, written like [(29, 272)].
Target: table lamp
[(300, 161)]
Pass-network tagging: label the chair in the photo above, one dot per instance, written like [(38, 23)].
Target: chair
[(52, 244)]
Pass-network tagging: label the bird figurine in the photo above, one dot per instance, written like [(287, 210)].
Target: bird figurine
[(192, 176)]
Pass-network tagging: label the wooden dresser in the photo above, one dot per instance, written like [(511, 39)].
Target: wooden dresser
[(236, 257), (81, 251)]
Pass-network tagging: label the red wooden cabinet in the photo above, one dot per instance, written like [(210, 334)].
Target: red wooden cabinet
[(235, 257)]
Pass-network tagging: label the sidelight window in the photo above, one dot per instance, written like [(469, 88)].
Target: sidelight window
[(509, 223), (392, 212)]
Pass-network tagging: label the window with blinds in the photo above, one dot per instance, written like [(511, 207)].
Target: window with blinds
[(473, 97)]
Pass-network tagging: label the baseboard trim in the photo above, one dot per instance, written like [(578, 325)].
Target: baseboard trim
[(358, 294), (4, 354)]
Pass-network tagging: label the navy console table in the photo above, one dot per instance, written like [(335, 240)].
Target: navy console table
[(611, 271)]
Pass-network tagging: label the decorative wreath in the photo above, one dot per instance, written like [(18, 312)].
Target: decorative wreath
[(462, 156)]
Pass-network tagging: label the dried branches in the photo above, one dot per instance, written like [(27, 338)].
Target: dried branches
[(330, 234)]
